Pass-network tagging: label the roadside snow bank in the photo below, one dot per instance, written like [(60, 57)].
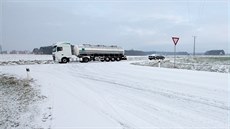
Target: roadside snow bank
[(132, 58), (211, 64), (42, 59), (19, 99), (26, 62), (24, 59), (117, 95), (17, 57)]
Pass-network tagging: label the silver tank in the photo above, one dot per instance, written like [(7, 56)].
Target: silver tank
[(97, 49)]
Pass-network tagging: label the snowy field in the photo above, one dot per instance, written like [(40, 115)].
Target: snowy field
[(199, 63), (20, 101), (25, 57), (29, 59), (119, 95)]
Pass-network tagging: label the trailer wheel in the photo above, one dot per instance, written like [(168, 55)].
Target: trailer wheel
[(107, 59), (112, 59), (118, 59), (64, 60)]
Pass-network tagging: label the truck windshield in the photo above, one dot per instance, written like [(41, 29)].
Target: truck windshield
[(54, 48)]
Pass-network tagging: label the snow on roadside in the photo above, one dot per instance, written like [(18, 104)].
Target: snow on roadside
[(26, 62), (25, 57), (20, 101), (119, 95), (135, 58), (113, 95), (211, 64), (200, 63)]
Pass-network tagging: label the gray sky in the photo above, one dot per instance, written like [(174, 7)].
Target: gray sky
[(133, 24)]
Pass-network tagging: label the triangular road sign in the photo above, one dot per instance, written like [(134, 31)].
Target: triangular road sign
[(175, 40)]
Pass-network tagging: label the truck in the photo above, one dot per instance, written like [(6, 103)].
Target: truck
[(63, 52)]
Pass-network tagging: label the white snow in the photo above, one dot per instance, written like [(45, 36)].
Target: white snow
[(199, 63), (24, 57), (123, 96)]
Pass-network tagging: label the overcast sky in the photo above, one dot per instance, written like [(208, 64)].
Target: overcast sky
[(132, 24)]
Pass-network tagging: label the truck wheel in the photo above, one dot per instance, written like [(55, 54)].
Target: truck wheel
[(118, 59), (112, 59), (85, 59), (64, 60), (107, 59)]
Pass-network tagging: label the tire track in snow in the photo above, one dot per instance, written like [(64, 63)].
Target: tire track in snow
[(87, 74), (165, 93), (92, 105), (136, 89), (87, 77)]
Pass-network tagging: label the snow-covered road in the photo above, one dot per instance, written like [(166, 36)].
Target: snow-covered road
[(120, 95)]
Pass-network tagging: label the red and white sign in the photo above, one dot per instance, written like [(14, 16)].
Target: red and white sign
[(175, 40)]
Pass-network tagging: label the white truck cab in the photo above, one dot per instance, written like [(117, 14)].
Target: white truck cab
[(62, 52)]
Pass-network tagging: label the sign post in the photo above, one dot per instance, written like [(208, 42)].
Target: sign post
[(175, 41), (27, 71)]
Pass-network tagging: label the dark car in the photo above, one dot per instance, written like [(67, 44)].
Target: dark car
[(156, 57)]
